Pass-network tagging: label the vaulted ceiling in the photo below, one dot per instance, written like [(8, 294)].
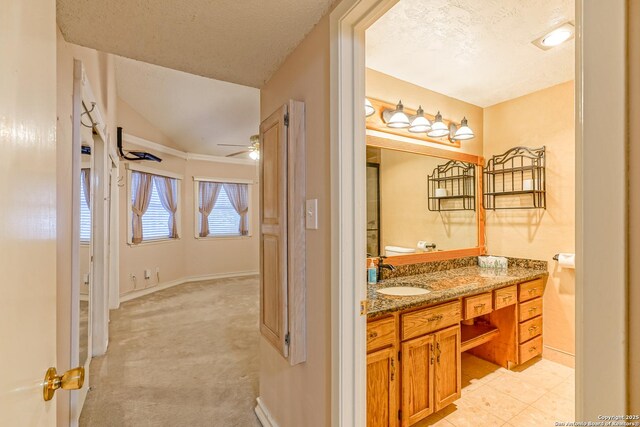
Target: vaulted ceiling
[(242, 42), (195, 112), (476, 51)]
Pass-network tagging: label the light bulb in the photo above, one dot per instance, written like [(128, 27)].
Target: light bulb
[(254, 155)]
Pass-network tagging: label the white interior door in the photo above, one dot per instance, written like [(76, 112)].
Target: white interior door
[(27, 210)]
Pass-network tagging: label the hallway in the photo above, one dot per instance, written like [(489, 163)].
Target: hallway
[(183, 356)]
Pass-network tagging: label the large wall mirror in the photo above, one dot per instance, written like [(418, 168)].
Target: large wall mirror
[(423, 203)]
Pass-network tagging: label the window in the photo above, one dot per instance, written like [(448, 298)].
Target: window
[(159, 220), (222, 209), (85, 213), (223, 219)]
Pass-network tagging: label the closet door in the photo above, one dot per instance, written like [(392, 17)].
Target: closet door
[(273, 233)]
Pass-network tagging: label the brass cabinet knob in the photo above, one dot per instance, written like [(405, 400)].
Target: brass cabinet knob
[(73, 379)]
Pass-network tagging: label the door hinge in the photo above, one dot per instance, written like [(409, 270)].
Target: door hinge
[(287, 338), (400, 414), (399, 356), (364, 305), (286, 119)]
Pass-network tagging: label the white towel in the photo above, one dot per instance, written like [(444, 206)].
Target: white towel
[(567, 260)]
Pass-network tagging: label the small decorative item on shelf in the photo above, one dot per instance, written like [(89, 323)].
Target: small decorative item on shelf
[(519, 172), (452, 187)]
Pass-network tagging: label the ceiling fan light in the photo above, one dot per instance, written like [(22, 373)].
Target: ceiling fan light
[(438, 128), (255, 155), (419, 123), (398, 119), (464, 131), (368, 108)]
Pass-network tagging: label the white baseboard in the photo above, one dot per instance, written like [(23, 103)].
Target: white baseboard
[(263, 414), (165, 285)]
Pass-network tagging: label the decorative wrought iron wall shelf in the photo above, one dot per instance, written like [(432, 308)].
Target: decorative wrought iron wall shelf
[(519, 171), (457, 181)]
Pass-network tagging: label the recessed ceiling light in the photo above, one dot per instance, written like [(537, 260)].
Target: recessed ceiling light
[(555, 37)]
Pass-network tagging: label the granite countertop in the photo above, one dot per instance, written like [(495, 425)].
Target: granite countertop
[(446, 285)]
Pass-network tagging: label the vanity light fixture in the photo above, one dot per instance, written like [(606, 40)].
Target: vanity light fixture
[(419, 123), (438, 128), (555, 37), (397, 118), (368, 108), (463, 132), (254, 155)]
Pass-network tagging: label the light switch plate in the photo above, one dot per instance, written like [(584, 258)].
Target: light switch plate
[(311, 214)]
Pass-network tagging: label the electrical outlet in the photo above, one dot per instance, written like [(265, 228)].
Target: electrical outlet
[(147, 274)]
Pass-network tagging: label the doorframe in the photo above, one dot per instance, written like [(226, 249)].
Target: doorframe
[(601, 352)]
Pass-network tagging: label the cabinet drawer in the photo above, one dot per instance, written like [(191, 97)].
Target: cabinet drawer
[(381, 333), (530, 329), (430, 319), (530, 290), (505, 296), (478, 305), (530, 309), (530, 349)]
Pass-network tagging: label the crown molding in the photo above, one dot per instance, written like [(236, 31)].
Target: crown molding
[(141, 142)]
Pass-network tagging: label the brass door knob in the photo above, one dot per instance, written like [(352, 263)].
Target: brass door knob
[(73, 379)]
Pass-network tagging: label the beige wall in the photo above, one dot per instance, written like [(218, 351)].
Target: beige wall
[(300, 395), (101, 75), (541, 118), (390, 89), (405, 217), (132, 121), (186, 257)]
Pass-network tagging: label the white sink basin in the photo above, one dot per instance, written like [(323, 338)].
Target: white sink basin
[(403, 291)]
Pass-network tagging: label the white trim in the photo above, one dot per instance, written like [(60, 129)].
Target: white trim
[(348, 23), (144, 143), (225, 180), (141, 142), (220, 159), (128, 296), (601, 209), (263, 414), (153, 171)]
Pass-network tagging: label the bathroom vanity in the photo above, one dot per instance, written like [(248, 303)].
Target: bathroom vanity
[(414, 343)]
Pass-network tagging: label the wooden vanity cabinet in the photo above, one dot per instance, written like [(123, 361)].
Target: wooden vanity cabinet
[(431, 366), (382, 373), (381, 388)]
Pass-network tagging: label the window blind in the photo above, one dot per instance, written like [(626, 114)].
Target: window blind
[(85, 217), (223, 219)]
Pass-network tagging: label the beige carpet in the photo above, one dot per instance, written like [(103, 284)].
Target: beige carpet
[(184, 356)]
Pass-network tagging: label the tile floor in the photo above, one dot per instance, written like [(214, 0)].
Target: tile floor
[(537, 394)]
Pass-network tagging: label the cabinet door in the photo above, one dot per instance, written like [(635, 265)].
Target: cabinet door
[(447, 367), (381, 388), (418, 360)]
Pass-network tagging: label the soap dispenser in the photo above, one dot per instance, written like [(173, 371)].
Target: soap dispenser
[(372, 273)]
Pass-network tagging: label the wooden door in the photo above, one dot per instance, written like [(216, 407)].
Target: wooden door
[(381, 388), (27, 211), (418, 360), (447, 367), (273, 233)]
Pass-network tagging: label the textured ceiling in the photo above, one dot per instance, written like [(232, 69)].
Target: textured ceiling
[(195, 112), (476, 51), (242, 42)]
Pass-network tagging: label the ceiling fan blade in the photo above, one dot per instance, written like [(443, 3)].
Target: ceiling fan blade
[(232, 145), (238, 153)]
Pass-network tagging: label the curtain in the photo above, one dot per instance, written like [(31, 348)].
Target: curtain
[(168, 193), (141, 184), (85, 176), (208, 195), (239, 197)]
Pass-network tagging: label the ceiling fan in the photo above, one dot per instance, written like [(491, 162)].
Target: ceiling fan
[(253, 149)]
